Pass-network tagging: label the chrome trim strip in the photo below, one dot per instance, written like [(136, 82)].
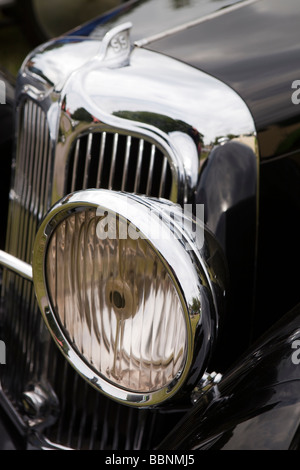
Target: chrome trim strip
[(37, 441), (16, 265), (190, 24)]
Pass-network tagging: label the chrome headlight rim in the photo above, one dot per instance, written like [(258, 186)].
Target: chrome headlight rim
[(91, 199)]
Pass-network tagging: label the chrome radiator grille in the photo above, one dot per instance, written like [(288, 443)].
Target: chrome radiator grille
[(24, 331), (87, 420), (30, 195), (115, 161)]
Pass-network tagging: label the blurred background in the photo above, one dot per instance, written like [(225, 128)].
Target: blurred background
[(27, 23)]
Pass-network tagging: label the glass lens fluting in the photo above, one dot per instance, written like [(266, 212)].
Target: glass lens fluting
[(116, 302)]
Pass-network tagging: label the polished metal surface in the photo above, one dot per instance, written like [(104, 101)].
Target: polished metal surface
[(120, 162), (207, 382), (181, 110), (40, 404), (16, 265), (163, 109), (189, 260), (116, 47), (32, 173)]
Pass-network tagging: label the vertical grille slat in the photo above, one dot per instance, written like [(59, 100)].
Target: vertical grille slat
[(113, 161), (126, 163), (101, 158), (94, 425), (82, 421), (73, 415), (87, 162), (163, 177), (43, 149), (73, 184), (28, 189), (150, 173), (119, 161), (139, 166)]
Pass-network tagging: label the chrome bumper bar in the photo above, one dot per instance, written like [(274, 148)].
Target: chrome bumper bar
[(14, 264)]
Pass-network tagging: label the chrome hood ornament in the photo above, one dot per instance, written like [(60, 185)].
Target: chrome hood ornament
[(115, 46)]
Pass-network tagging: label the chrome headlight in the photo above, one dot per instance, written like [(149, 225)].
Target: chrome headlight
[(126, 293)]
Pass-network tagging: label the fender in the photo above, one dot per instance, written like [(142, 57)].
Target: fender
[(257, 403), (228, 188)]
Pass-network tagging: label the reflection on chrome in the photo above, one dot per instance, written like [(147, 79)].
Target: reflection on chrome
[(118, 304), (159, 121), (181, 110), (131, 315)]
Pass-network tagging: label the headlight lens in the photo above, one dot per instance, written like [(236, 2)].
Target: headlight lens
[(116, 302), (130, 301)]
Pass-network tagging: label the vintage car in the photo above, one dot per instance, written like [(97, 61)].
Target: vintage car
[(150, 187)]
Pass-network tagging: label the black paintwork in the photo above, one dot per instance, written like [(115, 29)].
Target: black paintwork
[(256, 405), (229, 179), (150, 17), (279, 234), (255, 50)]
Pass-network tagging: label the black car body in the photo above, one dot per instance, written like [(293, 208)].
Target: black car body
[(208, 92)]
